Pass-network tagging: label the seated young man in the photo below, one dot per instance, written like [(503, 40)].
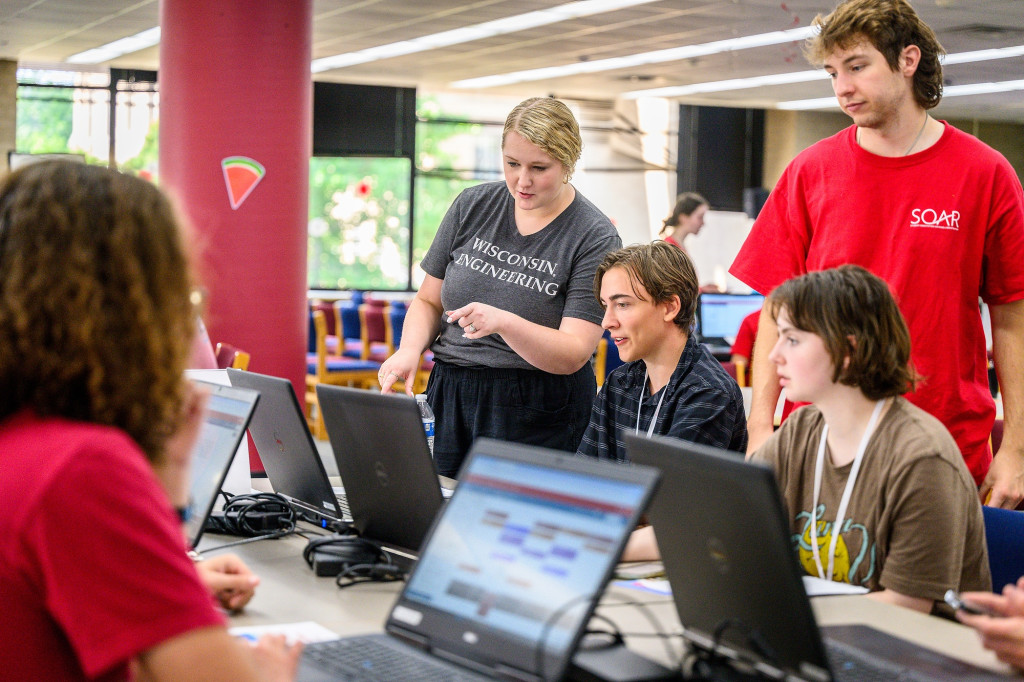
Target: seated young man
[(670, 385), (860, 458)]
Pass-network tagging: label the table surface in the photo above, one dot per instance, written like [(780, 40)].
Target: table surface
[(289, 593)]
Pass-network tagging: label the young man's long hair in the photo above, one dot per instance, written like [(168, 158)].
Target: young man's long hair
[(889, 25), (660, 268)]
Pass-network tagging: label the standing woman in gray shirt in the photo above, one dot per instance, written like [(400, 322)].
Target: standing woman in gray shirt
[(507, 305)]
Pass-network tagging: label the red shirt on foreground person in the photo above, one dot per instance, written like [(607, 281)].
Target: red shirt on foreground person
[(80, 598)]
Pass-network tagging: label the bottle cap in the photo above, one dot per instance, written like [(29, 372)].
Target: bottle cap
[(421, 397)]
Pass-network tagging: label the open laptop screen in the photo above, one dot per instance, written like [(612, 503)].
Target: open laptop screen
[(720, 315), (227, 414), (526, 549)]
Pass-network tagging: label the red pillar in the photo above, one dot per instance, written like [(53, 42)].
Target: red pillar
[(235, 115)]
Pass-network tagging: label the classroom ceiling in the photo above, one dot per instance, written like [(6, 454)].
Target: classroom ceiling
[(47, 32)]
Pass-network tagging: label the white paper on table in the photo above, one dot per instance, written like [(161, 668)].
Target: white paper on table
[(306, 632), (818, 587)]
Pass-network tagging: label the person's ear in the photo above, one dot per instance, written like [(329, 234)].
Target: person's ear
[(852, 340), (910, 59), (671, 308)]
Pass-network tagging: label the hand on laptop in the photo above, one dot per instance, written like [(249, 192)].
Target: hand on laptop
[(229, 579), (1002, 633)]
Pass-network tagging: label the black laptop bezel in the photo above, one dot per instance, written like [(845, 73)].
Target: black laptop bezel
[(392, 502), (752, 581), (244, 394), (496, 651), (296, 471)]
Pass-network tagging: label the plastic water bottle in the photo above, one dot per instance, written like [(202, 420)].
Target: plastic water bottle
[(427, 415)]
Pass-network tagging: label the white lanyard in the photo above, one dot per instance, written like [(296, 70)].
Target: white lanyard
[(847, 493), (640, 404)]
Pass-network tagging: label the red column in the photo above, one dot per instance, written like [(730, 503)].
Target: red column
[(235, 142)]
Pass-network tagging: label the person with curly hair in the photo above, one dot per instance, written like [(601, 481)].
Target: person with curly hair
[(935, 212), (96, 427)]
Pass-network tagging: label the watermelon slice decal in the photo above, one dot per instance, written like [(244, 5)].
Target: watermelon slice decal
[(241, 175)]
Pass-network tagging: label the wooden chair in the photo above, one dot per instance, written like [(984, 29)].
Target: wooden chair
[(346, 321), (611, 358), (322, 368), (229, 356), (601, 361), (373, 333)]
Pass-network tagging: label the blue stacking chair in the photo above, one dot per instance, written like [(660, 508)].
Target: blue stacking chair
[(322, 368), (1004, 535)]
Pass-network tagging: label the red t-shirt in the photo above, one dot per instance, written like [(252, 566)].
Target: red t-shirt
[(93, 568), (744, 343), (942, 227)]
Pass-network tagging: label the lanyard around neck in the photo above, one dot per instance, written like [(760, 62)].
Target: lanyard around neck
[(640, 404), (847, 493)]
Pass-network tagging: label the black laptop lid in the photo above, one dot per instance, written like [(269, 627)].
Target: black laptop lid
[(285, 445), (519, 557), (385, 464), (726, 547), (227, 415)]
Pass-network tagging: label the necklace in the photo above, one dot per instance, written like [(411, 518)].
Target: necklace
[(912, 144)]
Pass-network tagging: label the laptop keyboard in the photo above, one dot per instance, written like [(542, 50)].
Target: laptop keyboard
[(376, 658), (850, 664)]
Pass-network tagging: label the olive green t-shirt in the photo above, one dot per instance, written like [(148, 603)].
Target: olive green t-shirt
[(914, 522)]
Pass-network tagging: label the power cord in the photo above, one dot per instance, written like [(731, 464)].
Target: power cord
[(350, 559), (252, 515), (710, 664)]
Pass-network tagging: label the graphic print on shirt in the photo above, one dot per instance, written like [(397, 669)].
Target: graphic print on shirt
[(496, 262), (846, 565), (939, 219)]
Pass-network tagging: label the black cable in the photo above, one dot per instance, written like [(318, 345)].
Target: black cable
[(712, 658), (644, 609), (257, 514), (549, 624)]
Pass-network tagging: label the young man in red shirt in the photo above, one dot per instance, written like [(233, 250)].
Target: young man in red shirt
[(933, 211)]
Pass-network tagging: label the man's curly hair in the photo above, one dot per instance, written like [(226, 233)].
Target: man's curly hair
[(96, 320)]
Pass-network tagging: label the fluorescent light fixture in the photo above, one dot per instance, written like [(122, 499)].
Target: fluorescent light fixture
[(984, 55), (520, 22), (807, 76), (659, 56), (950, 91), (104, 53), (731, 84)]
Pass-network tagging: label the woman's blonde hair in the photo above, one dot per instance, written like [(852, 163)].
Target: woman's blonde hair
[(96, 320), (549, 124)]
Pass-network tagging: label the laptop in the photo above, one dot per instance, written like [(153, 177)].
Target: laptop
[(512, 570), (227, 415), (288, 452), (719, 317), (727, 550), (387, 471)]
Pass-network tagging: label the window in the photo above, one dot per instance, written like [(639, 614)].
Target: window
[(359, 223)]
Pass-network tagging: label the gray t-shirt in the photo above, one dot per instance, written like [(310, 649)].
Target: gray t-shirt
[(542, 277)]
